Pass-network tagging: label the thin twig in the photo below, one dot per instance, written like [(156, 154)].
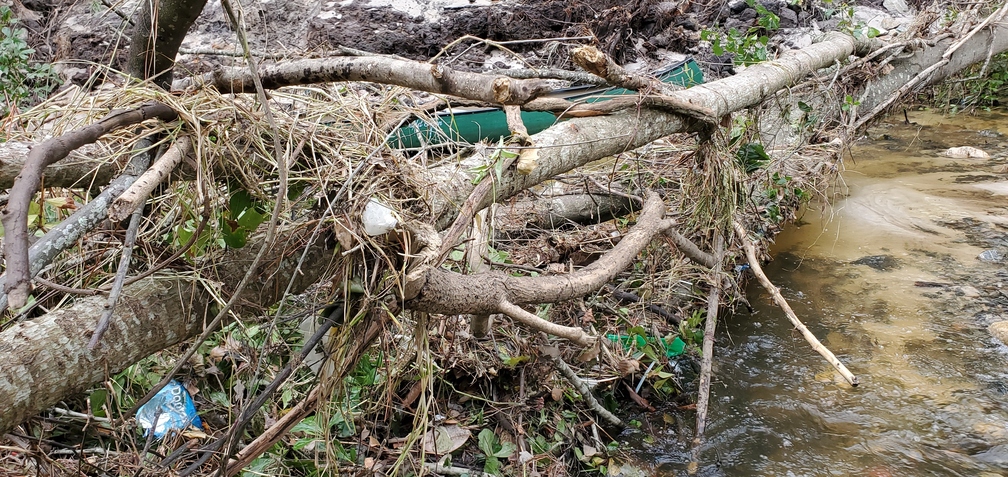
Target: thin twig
[(237, 24), (120, 278), (122, 15), (781, 302), (268, 242), (585, 392), (248, 413), (713, 301)]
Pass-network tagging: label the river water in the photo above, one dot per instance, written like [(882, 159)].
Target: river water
[(933, 398)]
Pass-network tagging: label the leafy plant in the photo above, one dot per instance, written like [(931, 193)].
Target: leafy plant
[(780, 195), (22, 81), (849, 103), (749, 47), (495, 450), (689, 329), (848, 23), (752, 157)]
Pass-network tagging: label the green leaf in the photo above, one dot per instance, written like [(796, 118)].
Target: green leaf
[(488, 442), (752, 157), (507, 450), (492, 466)]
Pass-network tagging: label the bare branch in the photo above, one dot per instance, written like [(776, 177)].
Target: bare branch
[(15, 215), (444, 291), (120, 278), (138, 192), (416, 75), (710, 325), (750, 251), (599, 64), (585, 392), (531, 320)]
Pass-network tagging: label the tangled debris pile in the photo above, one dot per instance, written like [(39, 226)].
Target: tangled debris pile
[(595, 245)]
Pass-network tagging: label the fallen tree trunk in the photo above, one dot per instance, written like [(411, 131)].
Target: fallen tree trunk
[(379, 69), (49, 357)]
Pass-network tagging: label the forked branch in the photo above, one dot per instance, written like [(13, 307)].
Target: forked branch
[(15, 215)]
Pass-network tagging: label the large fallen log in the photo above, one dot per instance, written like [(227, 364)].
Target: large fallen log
[(48, 356)]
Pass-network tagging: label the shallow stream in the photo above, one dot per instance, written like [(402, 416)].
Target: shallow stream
[(890, 280)]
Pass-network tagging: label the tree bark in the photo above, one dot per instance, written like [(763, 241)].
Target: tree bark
[(983, 44), (48, 356), (153, 46), (379, 69)]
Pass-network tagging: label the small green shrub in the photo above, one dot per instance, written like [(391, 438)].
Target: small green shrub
[(22, 81), (750, 47)]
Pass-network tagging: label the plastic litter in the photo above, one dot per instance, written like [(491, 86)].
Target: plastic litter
[(172, 408), (992, 256), (378, 219), (672, 349)]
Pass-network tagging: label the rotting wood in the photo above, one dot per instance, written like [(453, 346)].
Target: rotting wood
[(754, 265), (703, 393)]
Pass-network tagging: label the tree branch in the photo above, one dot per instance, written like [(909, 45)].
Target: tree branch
[(444, 291), (153, 314), (15, 215), (138, 192), (750, 251), (596, 62), (416, 75)]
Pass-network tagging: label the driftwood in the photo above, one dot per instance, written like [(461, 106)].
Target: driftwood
[(561, 148), (750, 251)]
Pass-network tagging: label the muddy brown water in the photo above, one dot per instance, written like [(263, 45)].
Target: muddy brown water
[(933, 398)]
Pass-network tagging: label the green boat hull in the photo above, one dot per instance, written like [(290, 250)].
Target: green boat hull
[(472, 126)]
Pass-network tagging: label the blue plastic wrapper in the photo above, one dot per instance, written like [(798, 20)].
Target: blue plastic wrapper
[(173, 408)]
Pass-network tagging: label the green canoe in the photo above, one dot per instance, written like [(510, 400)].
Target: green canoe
[(471, 125)]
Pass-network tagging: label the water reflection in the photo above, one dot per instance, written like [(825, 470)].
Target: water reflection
[(933, 394)]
